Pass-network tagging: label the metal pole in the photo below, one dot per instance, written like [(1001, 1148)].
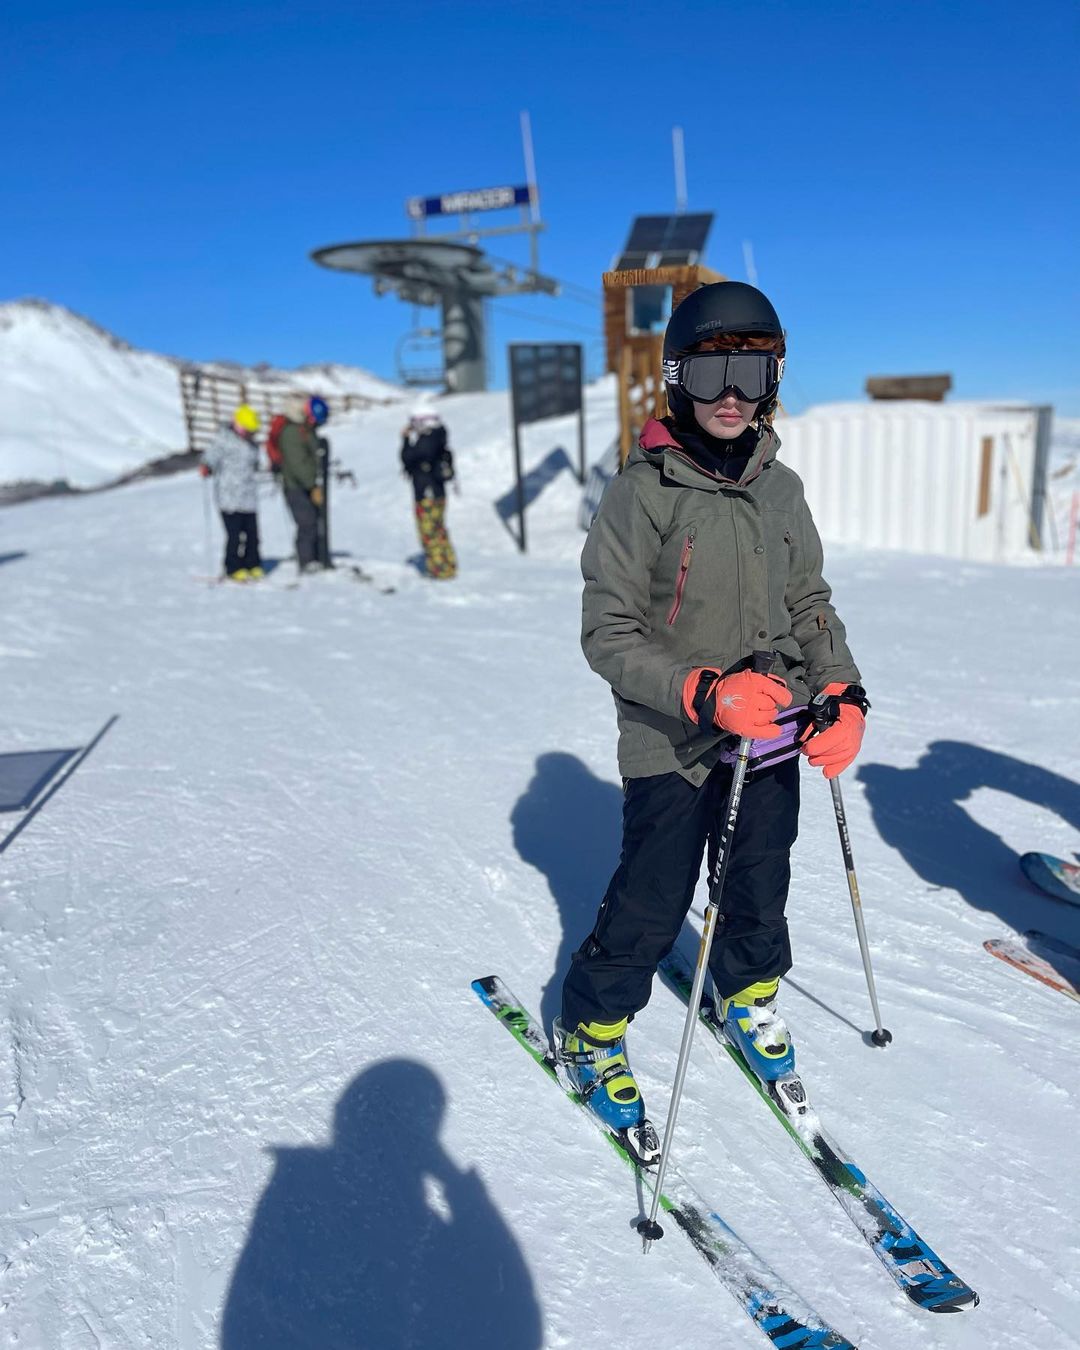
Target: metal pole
[(880, 1036), (520, 484), (748, 262), (206, 527), (581, 413), (679, 151), (530, 168), (649, 1229), (512, 351), (323, 517)]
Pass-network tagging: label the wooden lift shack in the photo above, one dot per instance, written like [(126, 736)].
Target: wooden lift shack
[(634, 350)]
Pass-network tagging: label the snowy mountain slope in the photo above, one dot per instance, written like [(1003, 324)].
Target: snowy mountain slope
[(78, 404), (246, 1081)]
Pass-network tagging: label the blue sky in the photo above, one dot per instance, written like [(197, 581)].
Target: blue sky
[(907, 173)]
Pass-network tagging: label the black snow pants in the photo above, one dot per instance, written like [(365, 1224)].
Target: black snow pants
[(306, 514), (241, 540), (667, 823)]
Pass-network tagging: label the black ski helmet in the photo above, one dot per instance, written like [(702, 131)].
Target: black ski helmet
[(720, 307)]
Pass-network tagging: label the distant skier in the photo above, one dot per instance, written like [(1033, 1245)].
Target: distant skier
[(702, 552), (232, 459), (300, 451), (426, 458)]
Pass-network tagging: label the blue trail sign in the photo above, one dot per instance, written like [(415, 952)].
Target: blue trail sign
[(473, 199)]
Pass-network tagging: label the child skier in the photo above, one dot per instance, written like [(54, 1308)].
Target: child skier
[(703, 552), (232, 459)]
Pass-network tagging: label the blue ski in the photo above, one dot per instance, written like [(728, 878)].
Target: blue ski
[(786, 1320), (1053, 876), (913, 1264)]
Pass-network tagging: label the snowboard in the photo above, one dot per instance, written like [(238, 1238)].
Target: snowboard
[(1044, 958), (1053, 875)]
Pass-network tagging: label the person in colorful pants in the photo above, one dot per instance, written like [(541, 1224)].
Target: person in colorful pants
[(704, 551), (426, 458)]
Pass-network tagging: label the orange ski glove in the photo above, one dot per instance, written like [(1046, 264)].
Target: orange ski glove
[(833, 749), (743, 703)]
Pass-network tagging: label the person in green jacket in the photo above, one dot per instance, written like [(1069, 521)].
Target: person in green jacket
[(300, 448), (702, 553)]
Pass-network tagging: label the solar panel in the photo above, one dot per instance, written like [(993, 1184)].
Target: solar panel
[(647, 234), (688, 232), (665, 241), (627, 261)]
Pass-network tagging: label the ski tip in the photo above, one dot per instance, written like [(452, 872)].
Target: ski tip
[(946, 1293), (961, 1303)]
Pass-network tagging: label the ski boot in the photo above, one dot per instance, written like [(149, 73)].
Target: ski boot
[(256, 573), (241, 574), (752, 1024), (593, 1063)]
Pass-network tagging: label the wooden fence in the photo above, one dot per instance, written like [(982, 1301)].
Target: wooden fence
[(210, 397)]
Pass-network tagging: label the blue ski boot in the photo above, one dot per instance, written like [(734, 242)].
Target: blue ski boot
[(593, 1061), (752, 1024)]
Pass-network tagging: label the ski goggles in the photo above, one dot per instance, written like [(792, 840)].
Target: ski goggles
[(707, 376)]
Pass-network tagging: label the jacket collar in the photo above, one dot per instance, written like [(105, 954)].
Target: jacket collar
[(659, 444)]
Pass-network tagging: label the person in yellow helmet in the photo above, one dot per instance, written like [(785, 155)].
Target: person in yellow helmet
[(246, 419), (232, 459)]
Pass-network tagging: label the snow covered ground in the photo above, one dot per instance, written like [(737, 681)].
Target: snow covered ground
[(249, 1098)]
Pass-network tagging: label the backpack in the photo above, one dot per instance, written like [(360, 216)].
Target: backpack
[(273, 449)]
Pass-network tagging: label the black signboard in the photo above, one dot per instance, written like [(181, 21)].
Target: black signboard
[(545, 381)]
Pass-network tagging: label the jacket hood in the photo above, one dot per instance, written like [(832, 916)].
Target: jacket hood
[(659, 445)]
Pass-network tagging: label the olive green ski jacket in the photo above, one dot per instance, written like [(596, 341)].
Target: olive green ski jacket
[(684, 568), (299, 456)]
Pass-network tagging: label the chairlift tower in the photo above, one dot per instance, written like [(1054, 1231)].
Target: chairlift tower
[(448, 270)]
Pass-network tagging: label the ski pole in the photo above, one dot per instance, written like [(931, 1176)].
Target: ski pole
[(824, 709), (649, 1229), (290, 523), (207, 541)]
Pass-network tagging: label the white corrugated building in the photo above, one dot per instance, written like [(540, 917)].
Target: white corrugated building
[(967, 480)]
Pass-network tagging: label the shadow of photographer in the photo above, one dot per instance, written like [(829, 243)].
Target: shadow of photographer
[(921, 813), (380, 1241)]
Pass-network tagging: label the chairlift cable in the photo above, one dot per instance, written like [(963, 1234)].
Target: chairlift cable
[(552, 323)]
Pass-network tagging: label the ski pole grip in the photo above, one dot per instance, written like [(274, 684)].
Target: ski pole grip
[(824, 710), (763, 662)]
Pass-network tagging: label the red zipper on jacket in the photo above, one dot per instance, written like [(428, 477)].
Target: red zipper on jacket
[(684, 567)]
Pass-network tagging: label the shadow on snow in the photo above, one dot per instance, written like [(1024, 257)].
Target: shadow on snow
[(568, 825), (920, 812), (533, 484), (380, 1240)]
